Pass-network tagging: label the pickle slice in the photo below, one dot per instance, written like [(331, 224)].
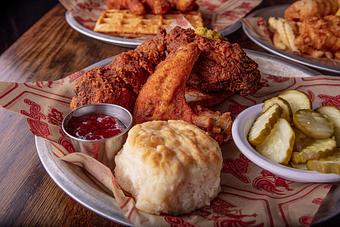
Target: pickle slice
[(301, 140), (263, 124), (313, 124), (331, 164), (296, 99), (333, 114), (299, 166), (278, 145), (286, 110), (318, 149)]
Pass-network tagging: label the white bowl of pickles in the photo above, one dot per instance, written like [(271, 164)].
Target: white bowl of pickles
[(286, 137)]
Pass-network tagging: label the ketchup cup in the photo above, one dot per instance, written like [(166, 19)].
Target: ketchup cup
[(104, 149)]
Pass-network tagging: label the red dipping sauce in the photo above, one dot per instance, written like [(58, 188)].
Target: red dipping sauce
[(94, 126)]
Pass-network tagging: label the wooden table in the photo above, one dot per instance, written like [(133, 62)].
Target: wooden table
[(47, 51)]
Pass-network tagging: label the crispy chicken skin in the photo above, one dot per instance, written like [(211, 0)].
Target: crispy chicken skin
[(159, 6), (121, 81), (319, 34), (303, 9), (135, 6), (163, 96), (202, 71), (221, 67), (139, 7), (99, 86)]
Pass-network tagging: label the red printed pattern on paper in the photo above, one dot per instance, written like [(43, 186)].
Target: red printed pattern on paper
[(177, 222), (55, 116), (34, 112), (328, 100), (38, 128), (305, 220), (224, 213), (66, 144), (271, 183), (317, 201), (278, 79), (237, 167), (88, 6)]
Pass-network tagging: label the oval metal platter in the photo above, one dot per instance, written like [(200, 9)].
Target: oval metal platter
[(125, 42), (278, 11), (78, 185)]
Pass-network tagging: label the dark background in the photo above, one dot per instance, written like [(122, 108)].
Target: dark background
[(19, 15)]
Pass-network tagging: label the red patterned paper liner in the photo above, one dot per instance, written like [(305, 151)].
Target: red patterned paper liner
[(250, 196)]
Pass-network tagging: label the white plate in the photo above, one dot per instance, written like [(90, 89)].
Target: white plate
[(125, 42), (240, 129), (81, 188), (278, 11)]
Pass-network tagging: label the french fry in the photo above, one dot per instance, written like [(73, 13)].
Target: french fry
[(278, 42)]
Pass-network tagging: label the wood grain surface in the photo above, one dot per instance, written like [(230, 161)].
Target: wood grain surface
[(48, 51)]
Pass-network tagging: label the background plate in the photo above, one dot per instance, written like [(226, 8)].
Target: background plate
[(74, 182), (278, 11), (125, 42)]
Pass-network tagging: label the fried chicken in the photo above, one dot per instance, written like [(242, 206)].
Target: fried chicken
[(222, 66), (162, 97), (159, 6), (218, 72), (99, 86), (184, 5), (121, 81), (303, 9), (318, 36), (139, 7), (135, 6)]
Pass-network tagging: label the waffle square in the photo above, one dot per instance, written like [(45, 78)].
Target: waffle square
[(123, 23)]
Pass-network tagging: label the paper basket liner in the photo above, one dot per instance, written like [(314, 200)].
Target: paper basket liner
[(250, 196)]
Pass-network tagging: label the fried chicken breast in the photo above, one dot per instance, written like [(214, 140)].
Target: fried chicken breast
[(121, 81), (221, 67)]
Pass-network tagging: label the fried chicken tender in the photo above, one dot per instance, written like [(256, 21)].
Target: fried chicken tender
[(303, 9), (319, 35), (139, 7), (120, 82), (162, 97), (221, 67)]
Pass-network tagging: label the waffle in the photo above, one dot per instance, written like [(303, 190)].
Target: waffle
[(123, 23)]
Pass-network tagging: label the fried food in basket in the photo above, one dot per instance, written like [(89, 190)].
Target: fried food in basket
[(320, 37), (317, 37), (162, 97), (125, 24), (158, 7), (303, 9), (222, 69)]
